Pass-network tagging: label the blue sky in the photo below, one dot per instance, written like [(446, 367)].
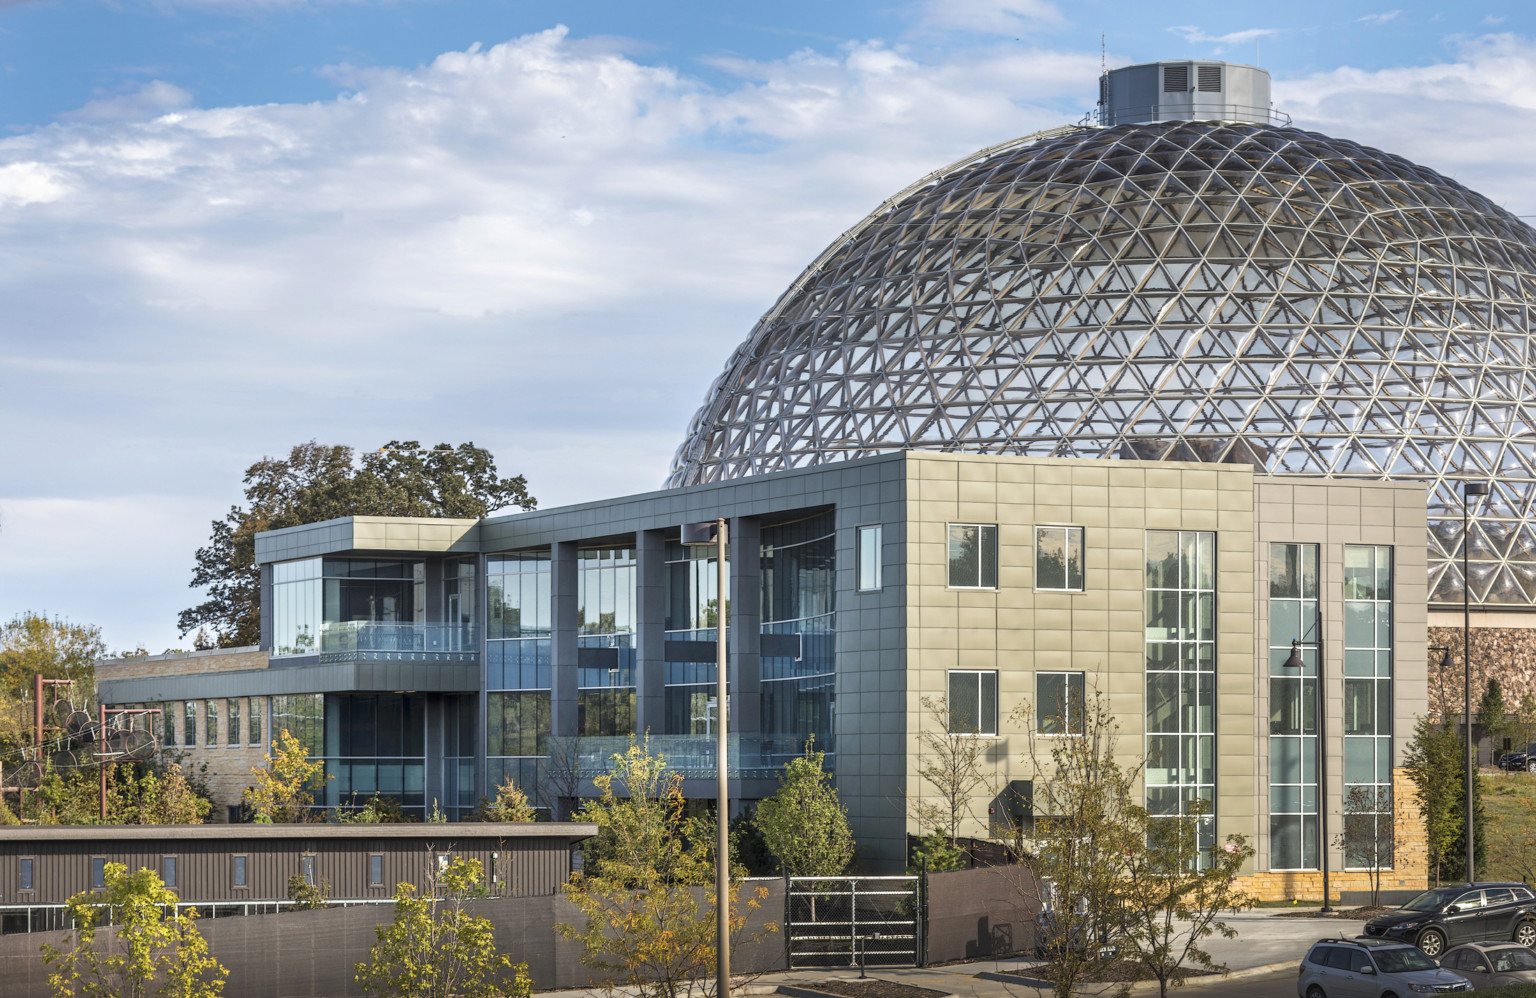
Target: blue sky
[(228, 227)]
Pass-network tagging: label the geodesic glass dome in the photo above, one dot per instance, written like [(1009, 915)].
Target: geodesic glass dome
[(1199, 291)]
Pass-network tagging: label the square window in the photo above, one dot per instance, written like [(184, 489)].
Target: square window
[(239, 871), (870, 557), (1059, 703), (24, 874), (168, 870), (973, 703), (376, 871), (1059, 558), (98, 872), (972, 556)]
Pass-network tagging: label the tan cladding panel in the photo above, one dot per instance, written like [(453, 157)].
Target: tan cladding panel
[(1018, 630)]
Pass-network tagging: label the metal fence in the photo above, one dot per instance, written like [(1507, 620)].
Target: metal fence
[(17, 918), (853, 921)]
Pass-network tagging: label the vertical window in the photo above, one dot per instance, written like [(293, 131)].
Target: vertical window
[(1059, 703), (972, 556), (98, 872), (24, 874), (168, 724), (255, 720), (1181, 673), (1059, 558), (211, 735), (307, 868), (376, 870), (870, 558), (1367, 706), (238, 871), (1293, 616), (168, 870), (973, 703), (232, 734), (189, 723), (296, 607)]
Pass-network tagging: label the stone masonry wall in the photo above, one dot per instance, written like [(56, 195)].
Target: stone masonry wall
[(1506, 652), (1410, 868)]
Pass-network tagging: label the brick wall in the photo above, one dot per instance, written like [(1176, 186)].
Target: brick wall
[(182, 663), (1410, 860)]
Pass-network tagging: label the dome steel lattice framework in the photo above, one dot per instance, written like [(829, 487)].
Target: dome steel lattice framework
[(1197, 291)]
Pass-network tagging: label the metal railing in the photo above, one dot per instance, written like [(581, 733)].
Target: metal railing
[(1186, 110), (20, 918), (750, 756), (377, 641)]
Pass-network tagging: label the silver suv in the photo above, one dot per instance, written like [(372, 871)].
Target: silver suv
[(1372, 968)]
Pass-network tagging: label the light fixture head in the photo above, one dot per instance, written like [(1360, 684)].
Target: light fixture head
[(1470, 489), (1295, 660), (1446, 661)]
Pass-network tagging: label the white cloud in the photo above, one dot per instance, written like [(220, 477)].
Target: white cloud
[(1198, 36), (1381, 18), (994, 17)]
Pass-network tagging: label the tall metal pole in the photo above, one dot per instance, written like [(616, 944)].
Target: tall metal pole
[(1322, 767), (1468, 489), (722, 788), (101, 759)]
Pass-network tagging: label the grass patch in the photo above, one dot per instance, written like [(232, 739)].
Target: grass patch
[(1509, 800), (1513, 991)]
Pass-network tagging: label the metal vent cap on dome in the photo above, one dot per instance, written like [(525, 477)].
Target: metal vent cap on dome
[(1187, 90)]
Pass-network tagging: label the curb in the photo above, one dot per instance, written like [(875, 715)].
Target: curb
[(795, 991), (1141, 986)]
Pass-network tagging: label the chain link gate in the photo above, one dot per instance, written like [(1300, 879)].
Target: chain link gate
[(841, 921)]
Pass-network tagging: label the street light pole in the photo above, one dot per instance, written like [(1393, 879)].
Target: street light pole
[(1320, 710), (704, 535), (722, 788), (1468, 490)]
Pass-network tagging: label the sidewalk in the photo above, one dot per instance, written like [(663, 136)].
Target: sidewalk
[(1267, 949)]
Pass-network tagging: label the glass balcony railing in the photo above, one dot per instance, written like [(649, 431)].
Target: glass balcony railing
[(752, 756), (373, 641)]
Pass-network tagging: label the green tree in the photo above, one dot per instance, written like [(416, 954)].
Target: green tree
[(380, 810), (803, 823), (1435, 763), (1493, 714), (644, 926), (509, 804), (284, 789), (1085, 827), (307, 896), (1173, 892), (151, 953), (952, 757), (320, 482), (1523, 725), (435, 948), (939, 853), (32, 643)]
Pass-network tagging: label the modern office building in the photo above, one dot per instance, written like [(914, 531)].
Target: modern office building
[(1126, 406)]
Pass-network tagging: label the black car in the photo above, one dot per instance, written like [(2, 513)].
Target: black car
[(1525, 760), (1450, 916)]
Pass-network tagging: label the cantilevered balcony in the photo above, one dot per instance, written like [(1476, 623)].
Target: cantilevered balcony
[(372, 641)]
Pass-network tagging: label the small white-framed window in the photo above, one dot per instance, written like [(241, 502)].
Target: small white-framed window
[(1059, 558), (168, 870), (870, 558), (239, 871), (307, 869), (973, 556), (376, 870), (1059, 703), (973, 702), (98, 872), (24, 874)]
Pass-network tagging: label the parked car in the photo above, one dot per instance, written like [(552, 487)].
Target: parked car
[(1372, 968), (1525, 760), (1449, 916), (1492, 965)]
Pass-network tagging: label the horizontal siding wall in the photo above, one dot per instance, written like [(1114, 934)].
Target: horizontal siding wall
[(205, 869)]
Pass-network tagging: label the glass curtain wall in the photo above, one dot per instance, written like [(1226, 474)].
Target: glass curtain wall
[(1181, 673), (459, 605), (1293, 616), (518, 677), (302, 715), (799, 585), (296, 607), (1368, 705), (460, 794), (605, 641), (309, 594), (692, 606), (376, 744)]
